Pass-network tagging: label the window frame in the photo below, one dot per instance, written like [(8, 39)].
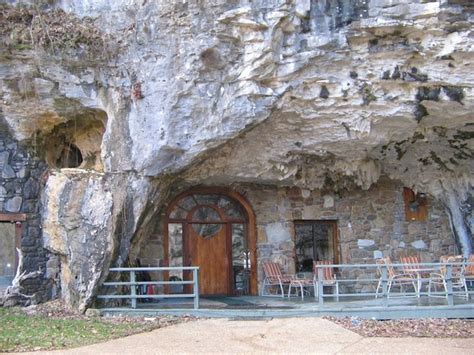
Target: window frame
[(335, 235), (18, 219)]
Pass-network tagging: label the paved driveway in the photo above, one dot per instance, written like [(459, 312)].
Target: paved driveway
[(283, 335)]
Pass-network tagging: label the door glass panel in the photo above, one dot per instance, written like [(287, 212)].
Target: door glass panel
[(206, 199), (324, 248), (240, 260), (304, 247), (175, 250), (187, 203), (178, 213), (207, 230), (7, 253), (206, 214), (230, 208), (314, 242)]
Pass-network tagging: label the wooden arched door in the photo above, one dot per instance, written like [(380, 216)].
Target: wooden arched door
[(216, 235), (207, 246)]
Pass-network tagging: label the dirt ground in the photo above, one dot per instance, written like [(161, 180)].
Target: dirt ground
[(275, 336)]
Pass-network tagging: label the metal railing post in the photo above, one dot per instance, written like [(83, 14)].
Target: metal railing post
[(133, 289), (196, 288), (449, 284), (320, 286), (384, 285)]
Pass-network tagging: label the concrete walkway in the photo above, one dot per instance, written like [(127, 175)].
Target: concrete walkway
[(283, 335)]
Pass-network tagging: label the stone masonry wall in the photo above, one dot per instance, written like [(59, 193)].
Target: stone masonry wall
[(20, 185), (371, 224)]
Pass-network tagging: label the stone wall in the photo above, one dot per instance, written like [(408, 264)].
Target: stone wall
[(20, 186), (371, 223)]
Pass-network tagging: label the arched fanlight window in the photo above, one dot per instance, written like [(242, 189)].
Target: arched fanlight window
[(207, 208)]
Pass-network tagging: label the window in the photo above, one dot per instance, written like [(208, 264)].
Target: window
[(416, 206), (10, 233), (315, 241)]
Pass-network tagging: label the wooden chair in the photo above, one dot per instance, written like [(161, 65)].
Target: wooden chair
[(458, 279), (394, 278), (469, 272), (329, 277), (274, 277), (411, 266), (301, 283), (410, 263)]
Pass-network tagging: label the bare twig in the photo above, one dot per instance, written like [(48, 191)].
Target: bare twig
[(15, 289)]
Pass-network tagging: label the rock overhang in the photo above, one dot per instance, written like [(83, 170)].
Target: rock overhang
[(283, 93)]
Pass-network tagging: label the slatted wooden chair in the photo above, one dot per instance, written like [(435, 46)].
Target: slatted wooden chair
[(274, 277), (458, 279), (329, 277), (394, 278), (469, 272), (410, 263), (299, 284), (411, 266)]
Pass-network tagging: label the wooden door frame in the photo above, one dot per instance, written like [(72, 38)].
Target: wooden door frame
[(251, 227), (335, 234)]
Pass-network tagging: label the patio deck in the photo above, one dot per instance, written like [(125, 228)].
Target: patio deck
[(376, 304), (261, 307)]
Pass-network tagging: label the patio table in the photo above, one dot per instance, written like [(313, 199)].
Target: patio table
[(419, 271)]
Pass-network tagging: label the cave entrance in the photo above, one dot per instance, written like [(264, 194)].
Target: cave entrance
[(213, 228), (70, 157), (77, 142)]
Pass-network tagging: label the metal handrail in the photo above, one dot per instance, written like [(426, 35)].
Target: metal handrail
[(133, 283), (384, 280), (391, 264)]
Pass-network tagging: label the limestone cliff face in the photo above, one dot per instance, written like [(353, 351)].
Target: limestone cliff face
[(319, 94)]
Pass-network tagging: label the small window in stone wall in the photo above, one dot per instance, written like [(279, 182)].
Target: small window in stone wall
[(315, 241), (416, 205)]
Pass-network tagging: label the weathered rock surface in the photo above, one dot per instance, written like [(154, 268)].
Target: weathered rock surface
[(90, 219), (318, 94)]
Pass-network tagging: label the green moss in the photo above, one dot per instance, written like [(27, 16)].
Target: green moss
[(367, 95)]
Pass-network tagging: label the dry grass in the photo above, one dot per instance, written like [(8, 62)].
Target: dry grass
[(28, 27)]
